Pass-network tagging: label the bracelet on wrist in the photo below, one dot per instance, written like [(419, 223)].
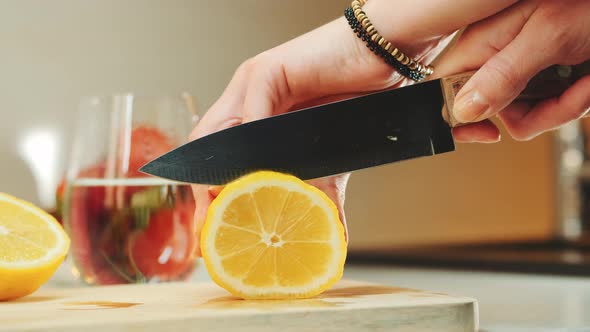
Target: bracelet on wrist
[(364, 29)]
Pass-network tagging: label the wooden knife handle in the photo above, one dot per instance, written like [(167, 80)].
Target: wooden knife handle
[(550, 82)]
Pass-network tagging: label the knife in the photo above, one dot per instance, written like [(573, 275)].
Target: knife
[(353, 134)]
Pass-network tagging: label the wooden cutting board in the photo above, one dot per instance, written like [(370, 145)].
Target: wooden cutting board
[(350, 306)]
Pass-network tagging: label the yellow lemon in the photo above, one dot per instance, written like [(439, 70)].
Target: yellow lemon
[(272, 236), (32, 246)]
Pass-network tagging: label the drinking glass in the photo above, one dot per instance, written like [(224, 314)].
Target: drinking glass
[(125, 226)]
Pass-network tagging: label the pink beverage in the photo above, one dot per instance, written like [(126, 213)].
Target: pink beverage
[(125, 226), (130, 230)]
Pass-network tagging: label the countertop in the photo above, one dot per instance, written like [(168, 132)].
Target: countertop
[(508, 302)]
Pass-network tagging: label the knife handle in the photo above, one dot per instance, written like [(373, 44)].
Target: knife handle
[(551, 82)]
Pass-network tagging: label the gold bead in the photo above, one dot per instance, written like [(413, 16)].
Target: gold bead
[(361, 16), (375, 37), (357, 12), (355, 3), (365, 22), (370, 29), (394, 52), (387, 46), (381, 41), (406, 61), (413, 65), (400, 57)]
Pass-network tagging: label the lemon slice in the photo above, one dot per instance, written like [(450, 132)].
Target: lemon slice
[(272, 236), (32, 246)]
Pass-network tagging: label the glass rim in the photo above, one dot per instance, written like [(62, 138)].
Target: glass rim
[(123, 94), (138, 94), (187, 97)]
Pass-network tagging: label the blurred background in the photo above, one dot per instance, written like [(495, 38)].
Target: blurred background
[(55, 52)]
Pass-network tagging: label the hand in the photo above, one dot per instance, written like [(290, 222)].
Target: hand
[(331, 63), (511, 47)]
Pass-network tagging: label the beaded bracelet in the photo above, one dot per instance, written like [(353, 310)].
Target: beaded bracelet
[(364, 29)]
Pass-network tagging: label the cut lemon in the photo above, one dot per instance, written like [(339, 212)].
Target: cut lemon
[(272, 236), (32, 246)]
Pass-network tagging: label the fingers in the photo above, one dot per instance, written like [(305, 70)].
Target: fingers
[(478, 43), (268, 91), (323, 100), (203, 199), (503, 77), (220, 116), (224, 113), (525, 121), (497, 83), (480, 132), (482, 40), (335, 188), (214, 120)]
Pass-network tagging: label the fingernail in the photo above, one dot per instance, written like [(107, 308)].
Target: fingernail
[(492, 140), (470, 107), (480, 140)]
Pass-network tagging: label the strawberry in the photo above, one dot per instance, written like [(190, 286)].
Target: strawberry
[(164, 249), (147, 143)]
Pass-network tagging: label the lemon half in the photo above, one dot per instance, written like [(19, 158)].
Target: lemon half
[(32, 246), (272, 236)]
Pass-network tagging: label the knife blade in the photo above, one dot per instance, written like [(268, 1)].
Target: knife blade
[(353, 134)]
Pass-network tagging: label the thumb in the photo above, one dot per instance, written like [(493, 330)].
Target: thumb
[(501, 79)]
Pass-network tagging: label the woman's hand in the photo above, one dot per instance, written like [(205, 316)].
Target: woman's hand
[(511, 47), (331, 63), (299, 73)]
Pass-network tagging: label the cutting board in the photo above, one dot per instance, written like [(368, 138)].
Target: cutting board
[(349, 306)]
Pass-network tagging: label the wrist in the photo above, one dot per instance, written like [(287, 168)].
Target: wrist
[(331, 60), (406, 26)]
